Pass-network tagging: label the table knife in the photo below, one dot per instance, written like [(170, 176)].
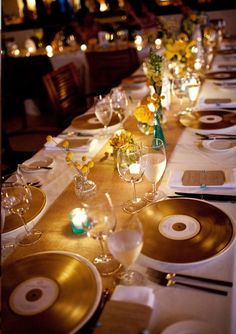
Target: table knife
[(209, 197)]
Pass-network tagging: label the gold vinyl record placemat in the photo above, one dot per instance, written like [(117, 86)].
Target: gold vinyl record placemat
[(13, 222), (208, 119), (49, 292), (221, 75), (184, 231), (90, 122)]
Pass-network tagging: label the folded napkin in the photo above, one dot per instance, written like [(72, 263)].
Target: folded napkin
[(205, 103), (129, 311), (177, 179), (75, 145)]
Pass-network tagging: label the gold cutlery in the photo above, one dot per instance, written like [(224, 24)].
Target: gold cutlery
[(171, 281), (159, 273)]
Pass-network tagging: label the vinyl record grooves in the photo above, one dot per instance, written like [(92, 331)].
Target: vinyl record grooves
[(47, 293), (90, 122), (221, 75), (209, 119), (204, 232)]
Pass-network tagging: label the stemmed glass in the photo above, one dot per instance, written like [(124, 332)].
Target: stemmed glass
[(119, 102), (130, 170), (154, 163), (125, 244), (103, 110), (192, 88), (99, 221), (179, 89), (16, 199)]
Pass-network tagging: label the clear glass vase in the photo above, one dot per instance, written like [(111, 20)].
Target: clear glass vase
[(145, 128), (83, 186)]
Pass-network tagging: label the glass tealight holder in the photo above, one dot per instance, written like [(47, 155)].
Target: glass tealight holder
[(78, 217)]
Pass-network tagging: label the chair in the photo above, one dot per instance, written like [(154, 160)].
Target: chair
[(66, 94), (109, 67)]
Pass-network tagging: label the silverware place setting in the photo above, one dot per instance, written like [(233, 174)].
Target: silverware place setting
[(171, 279)]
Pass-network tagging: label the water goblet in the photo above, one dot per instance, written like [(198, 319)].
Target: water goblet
[(154, 163), (103, 110), (99, 221), (16, 199), (119, 102), (179, 90), (193, 88), (130, 170), (125, 244)]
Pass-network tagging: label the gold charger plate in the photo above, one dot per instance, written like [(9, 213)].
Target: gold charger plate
[(13, 222), (208, 119), (49, 292), (90, 122), (221, 75), (184, 231)]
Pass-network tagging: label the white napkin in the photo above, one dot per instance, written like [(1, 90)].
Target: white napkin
[(175, 180), (136, 294), (220, 103), (52, 146)]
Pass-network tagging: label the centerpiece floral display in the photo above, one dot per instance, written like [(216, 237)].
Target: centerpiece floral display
[(145, 119), (180, 51), (155, 69), (121, 138), (82, 165)]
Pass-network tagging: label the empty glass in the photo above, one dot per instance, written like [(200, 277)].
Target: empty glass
[(16, 199), (103, 110), (130, 170), (119, 102)]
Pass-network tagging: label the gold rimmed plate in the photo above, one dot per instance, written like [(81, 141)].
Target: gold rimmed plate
[(13, 222), (89, 122), (221, 75), (184, 231), (209, 119), (51, 292)]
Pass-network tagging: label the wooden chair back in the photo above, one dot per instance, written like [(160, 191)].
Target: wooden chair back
[(109, 67), (66, 93)]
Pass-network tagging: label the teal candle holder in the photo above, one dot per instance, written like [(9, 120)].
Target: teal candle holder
[(79, 219)]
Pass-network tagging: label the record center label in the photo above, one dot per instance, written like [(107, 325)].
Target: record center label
[(210, 119), (33, 296), (93, 120), (179, 227)]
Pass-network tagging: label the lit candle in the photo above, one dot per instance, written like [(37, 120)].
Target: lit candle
[(158, 43), (83, 47), (78, 218), (134, 168), (151, 107)]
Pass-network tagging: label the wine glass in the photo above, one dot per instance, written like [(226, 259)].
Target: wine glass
[(119, 102), (16, 199), (193, 88), (154, 163), (99, 221), (103, 110), (125, 244), (130, 170), (179, 90)]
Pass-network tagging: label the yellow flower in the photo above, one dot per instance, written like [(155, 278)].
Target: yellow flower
[(49, 138), (121, 138), (144, 115), (65, 144), (91, 164), (84, 169)]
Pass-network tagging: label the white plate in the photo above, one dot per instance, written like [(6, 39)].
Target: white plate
[(28, 165), (219, 146), (190, 327)]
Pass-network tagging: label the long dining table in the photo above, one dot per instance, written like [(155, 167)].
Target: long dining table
[(185, 151)]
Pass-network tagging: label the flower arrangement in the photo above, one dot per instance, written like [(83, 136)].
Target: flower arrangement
[(180, 49), (82, 166), (121, 138), (144, 115), (154, 65), (189, 23)]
